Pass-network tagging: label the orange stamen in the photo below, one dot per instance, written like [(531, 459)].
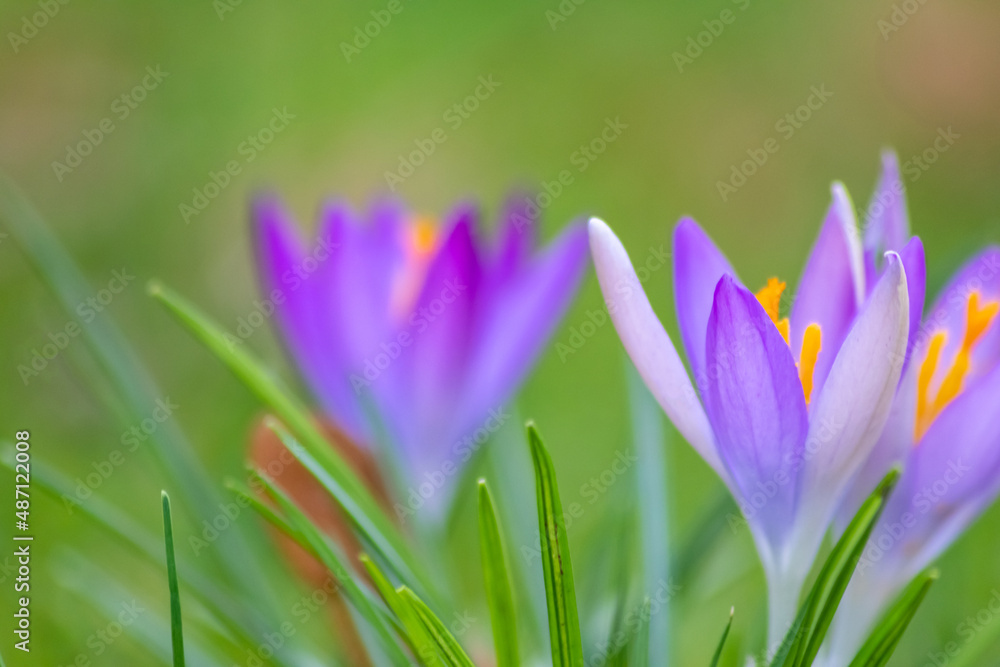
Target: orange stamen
[(419, 243), (423, 236), (978, 321), (811, 344), (769, 297)]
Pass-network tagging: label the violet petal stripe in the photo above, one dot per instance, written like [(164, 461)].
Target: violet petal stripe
[(832, 285), (698, 266), (848, 415), (648, 344), (755, 404), (522, 312)]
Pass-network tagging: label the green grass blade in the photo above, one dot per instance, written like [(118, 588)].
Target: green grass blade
[(652, 503), (241, 620), (498, 591), (447, 646), (639, 649), (722, 641), (412, 629), (176, 626), (132, 383), (300, 528), (560, 590), (879, 646), (315, 452), (804, 638)]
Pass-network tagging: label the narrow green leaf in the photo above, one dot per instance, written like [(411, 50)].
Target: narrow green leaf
[(722, 642), (314, 451), (448, 647), (133, 388), (176, 627), (560, 590), (240, 619), (639, 647), (498, 592), (880, 645), (803, 640), (412, 629), (651, 501), (300, 528)]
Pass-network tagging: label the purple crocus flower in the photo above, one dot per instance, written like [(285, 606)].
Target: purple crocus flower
[(414, 334), (786, 409), (943, 429)]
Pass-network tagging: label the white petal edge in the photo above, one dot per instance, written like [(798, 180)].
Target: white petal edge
[(648, 343), (849, 223)]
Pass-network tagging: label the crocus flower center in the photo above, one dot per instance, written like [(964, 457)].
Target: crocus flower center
[(979, 318), (769, 297), (419, 242)]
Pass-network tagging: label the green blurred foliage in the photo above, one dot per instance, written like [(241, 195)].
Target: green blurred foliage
[(354, 118)]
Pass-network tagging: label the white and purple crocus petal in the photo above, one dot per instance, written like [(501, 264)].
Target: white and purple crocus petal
[(648, 344)]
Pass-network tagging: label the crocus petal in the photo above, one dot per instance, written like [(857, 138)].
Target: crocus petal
[(980, 274), (516, 235), (755, 404), (851, 410), (313, 340), (698, 266), (887, 224), (832, 286), (648, 344), (519, 315), (439, 346), (892, 448), (360, 279), (915, 266), (955, 472)]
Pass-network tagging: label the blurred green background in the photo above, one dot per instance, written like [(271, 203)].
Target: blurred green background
[(559, 81)]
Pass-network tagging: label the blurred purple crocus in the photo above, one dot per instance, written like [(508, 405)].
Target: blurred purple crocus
[(942, 428), (786, 409), (412, 334)]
